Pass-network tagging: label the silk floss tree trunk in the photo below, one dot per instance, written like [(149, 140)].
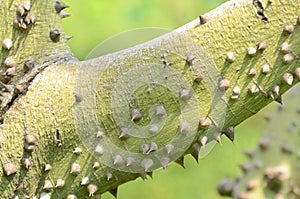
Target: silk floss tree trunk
[(74, 129)]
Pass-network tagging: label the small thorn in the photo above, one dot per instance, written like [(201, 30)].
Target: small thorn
[(59, 6), (297, 72), (109, 176), (249, 154), (7, 88), (298, 20), (229, 133), (264, 144), (117, 160), (288, 58), (169, 148), (279, 100), (114, 192), (146, 164), (96, 165), (153, 129), (164, 162), (7, 44), (252, 72), (78, 97), (153, 147), (99, 134), (180, 161), (203, 19), (236, 90), (48, 167), (136, 115), (77, 151), (225, 187), (99, 150), (251, 184), (48, 185), (75, 169), (198, 78), (245, 168), (217, 137), (26, 6), (287, 149), (195, 151), (124, 134), (265, 69), (144, 148), (129, 161), (160, 111), (84, 181), (189, 59), (92, 189), (9, 168), (262, 46), (185, 94), (9, 62), (253, 89), (67, 37), (20, 11), (63, 14), (224, 84), (251, 51), (60, 183), (54, 35), (26, 163), (184, 127), (287, 78), (203, 140), (70, 196), (28, 65), (285, 48), (276, 89), (30, 18), (205, 122), (230, 57), (271, 95), (143, 176), (288, 29), (150, 174)]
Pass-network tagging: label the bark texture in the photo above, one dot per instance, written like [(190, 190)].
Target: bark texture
[(245, 51)]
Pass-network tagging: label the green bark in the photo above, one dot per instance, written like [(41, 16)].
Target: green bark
[(59, 87)]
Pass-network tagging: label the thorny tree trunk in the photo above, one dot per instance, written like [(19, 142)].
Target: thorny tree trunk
[(255, 48)]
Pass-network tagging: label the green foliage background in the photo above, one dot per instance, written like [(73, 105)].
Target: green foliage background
[(92, 22)]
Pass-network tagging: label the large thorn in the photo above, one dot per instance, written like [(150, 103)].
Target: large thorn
[(150, 174), (114, 192), (279, 100), (143, 176), (229, 133), (195, 151), (59, 6), (180, 161)]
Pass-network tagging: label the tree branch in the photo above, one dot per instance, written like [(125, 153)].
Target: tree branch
[(237, 58)]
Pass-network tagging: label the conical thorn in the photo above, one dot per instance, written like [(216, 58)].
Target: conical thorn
[(114, 192), (229, 133), (195, 151), (279, 100), (180, 161)]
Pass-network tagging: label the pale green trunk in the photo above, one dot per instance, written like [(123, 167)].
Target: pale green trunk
[(48, 109)]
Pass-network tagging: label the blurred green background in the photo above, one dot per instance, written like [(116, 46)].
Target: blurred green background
[(94, 21)]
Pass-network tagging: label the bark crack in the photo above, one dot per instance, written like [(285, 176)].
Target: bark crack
[(11, 93)]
